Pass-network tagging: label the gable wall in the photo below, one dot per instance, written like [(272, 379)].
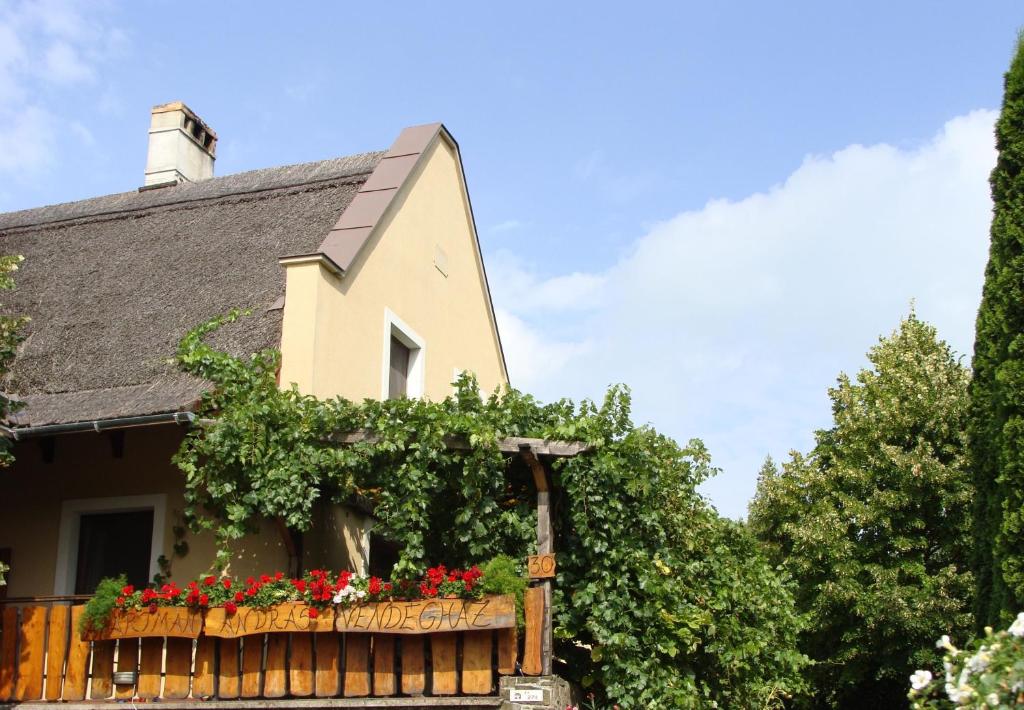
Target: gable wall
[(333, 334)]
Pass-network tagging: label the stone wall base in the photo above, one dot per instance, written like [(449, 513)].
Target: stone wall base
[(546, 692)]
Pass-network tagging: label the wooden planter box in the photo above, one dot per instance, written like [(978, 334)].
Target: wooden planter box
[(176, 621), (290, 617), (428, 616)]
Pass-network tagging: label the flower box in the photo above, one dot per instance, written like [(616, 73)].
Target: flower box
[(286, 617), (427, 616), (176, 621)]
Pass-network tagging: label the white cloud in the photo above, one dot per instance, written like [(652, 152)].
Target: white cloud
[(730, 322), (524, 292), (65, 66), (47, 48), (506, 226), (528, 354), (26, 140)]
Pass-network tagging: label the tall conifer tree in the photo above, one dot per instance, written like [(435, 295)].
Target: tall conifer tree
[(997, 388)]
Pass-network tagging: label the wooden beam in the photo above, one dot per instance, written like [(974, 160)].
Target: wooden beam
[(507, 445), (545, 546)]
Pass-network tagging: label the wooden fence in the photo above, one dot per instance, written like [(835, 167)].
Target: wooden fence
[(42, 656)]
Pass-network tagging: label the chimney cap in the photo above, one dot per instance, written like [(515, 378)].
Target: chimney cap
[(180, 106)]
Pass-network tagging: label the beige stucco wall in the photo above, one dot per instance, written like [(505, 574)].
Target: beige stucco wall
[(341, 349), (84, 467)]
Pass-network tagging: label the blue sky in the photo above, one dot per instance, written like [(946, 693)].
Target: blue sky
[(720, 204)]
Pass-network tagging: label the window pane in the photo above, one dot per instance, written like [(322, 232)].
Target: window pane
[(110, 544), (398, 382)]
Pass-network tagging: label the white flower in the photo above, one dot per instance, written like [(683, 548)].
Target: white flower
[(920, 680), (339, 598), (1017, 627), (959, 694), (992, 699), (978, 662), (360, 594)]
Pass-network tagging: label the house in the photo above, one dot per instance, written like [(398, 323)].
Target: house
[(364, 270)]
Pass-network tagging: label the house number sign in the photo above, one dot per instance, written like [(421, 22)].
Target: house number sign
[(531, 695), (540, 566)]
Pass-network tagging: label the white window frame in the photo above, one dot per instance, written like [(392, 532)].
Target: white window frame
[(415, 382), (71, 512)]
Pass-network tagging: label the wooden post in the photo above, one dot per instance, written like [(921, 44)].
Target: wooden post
[(545, 545)]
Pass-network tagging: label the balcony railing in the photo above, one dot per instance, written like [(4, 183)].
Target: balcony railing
[(43, 656)]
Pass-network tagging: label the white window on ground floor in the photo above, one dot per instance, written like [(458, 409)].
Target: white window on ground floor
[(107, 537)]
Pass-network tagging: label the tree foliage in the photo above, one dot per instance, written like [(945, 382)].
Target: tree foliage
[(10, 336), (874, 524), (997, 388), (658, 603)]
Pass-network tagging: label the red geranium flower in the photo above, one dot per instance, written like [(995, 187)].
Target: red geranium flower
[(313, 613), (278, 576), (120, 601), (127, 591), (226, 582), (152, 608), (230, 607), (204, 600), (209, 581), (239, 597)]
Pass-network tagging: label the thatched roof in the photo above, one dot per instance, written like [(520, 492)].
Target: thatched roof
[(112, 283)]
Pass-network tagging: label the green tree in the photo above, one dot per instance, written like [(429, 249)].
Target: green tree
[(10, 336), (874, 524), (997, 388)]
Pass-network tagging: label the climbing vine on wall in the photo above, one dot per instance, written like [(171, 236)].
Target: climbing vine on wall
[(659, 601)]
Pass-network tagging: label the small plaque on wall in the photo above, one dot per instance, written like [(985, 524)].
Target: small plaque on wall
[(540, 566)]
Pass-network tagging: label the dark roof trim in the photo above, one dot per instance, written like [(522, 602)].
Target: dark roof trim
[(97, 425), (357, 223)]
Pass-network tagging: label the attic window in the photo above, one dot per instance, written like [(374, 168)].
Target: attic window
[(403, 358)]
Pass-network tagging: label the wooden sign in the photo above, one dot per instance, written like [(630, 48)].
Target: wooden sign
[(173, 621), (540, 566), (430, 615), (247, 621)]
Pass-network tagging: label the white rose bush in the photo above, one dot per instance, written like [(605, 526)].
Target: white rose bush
[(987, 673)]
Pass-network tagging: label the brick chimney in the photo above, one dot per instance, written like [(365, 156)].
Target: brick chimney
[(181, 146)]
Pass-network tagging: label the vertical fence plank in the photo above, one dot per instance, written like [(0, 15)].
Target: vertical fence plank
[(203, 675), (328, 652), (300, 665), (508, 650), (77, 674), (127, 660), (31, 654), (414, 678), (102, 670), (442, 654), (8, 652), (151, 663), (384, 664), (275, 678), (178, 665), (534, 608), (252, 660), (477, 675), (357, 665), (228, 683), (56, 650)]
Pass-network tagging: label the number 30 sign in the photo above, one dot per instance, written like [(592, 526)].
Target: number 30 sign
[(540, 566)]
